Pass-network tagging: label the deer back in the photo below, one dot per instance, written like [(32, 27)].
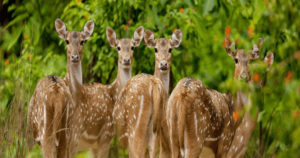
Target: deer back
[(201, 113), (135, 107)]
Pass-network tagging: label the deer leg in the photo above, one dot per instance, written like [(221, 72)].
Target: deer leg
[(174, 145), (60, 129), (207, 153), (193, 139), (48, 147), (164, 144), (242, 136), (175, 150), (137, 147), (193, 147), (153, 145), (225, 140), (62, 149), (48, 140), (101, 152), (173, 133)]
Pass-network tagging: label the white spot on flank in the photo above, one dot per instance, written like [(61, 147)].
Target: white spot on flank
[(196, 126), (211, 139), (56, 142), (87, 136), (242, 138), (45, 119), (185, 143), (38, 139)]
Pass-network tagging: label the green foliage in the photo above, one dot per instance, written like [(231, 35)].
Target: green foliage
[(31, 49)]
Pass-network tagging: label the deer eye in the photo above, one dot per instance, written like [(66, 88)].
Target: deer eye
[(132, 48), (170, 50), (118, 48), (155, 49), (81, 43), (67, 41), (236, 60)]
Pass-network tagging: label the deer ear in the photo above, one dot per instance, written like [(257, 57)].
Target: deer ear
[(176, 38), (61, 28), (112, 37), (228, 47), (88, 30), (269, 59), (138, 36), (256, 49), (149, 38), (254, 52)]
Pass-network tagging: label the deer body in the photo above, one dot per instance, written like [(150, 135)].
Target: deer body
[(138, 110), (97, 129), (96, 123), (136, 114), (54, 102), (47, 115), (245, 125), (197, 116)]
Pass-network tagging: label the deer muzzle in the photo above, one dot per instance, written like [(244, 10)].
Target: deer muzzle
[(75, 58), (163, 65), (126, 61)]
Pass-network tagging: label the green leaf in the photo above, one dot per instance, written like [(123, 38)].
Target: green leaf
[(208, 6), (11, 8), (260, 116), (15, 36), (16, 20)]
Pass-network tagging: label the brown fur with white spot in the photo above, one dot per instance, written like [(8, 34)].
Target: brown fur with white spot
[(187, 106), (97, 103), (52, 105), (140, 105), (245, 125), (197, 115)]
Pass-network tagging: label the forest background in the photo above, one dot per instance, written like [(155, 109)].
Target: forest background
[(30, 49)]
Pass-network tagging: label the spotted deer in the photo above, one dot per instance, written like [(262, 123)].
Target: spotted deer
[(52, 105), (95, 126), (138, 109), (244, 126), (198, 116)]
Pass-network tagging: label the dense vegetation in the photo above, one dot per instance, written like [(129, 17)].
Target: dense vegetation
[(31, 49)]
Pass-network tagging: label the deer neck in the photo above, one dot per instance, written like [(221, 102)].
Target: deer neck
[(164, 77), (74, 78), (241, 99), (123, 76), (241, 96)]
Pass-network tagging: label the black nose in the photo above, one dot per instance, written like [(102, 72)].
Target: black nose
[(126, 61), (244, 75), (75, 57), (163, 65)]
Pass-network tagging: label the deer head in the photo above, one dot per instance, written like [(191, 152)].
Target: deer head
[(74, 41), (163, 49), (163, 52), (242, 59), (125, 46)]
